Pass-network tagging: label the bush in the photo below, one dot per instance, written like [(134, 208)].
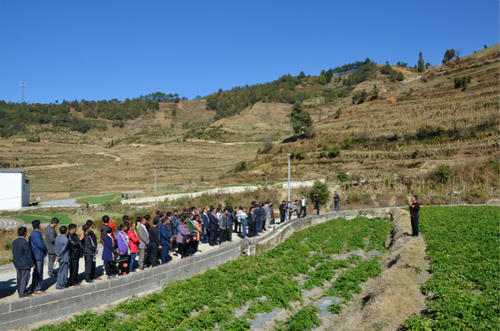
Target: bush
[(266, 146), (462, 82), (322, 190), (443, 173), (428, 131), (338, 112), (342, 177), (240, 166), (298, 155), (333, 153), (359, 97)]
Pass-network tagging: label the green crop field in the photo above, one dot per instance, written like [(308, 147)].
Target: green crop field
[(101, 199), (271, 280), (463, 243), (44, 217)]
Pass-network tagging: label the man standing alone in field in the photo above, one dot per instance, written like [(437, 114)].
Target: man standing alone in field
[(414, 209)]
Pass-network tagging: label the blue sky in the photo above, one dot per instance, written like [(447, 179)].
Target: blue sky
[(118, 49)]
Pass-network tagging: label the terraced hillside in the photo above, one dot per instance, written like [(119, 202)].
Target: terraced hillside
[(398, 141), (411, 132)]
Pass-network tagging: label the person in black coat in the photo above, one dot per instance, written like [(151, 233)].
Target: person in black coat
[(75, 253), (23, 261), (282, 209), (214, 226), (89, 253), (316, 203), (154, 243)]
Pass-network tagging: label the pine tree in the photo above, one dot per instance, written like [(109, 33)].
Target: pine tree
[(421, 65), (300, 119)]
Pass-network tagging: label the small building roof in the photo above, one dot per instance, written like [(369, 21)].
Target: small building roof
[(8, 170)]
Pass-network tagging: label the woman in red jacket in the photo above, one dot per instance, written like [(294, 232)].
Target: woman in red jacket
[(133, 241)]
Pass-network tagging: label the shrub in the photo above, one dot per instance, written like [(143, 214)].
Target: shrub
[(7, 245), (462, 82), (333, 153), (343, 177), (240, 166), (443, 173), (266, 146), (338, 112), (429, 131), (322, 190), (359, 97)]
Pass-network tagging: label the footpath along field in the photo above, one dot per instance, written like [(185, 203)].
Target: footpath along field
[(463, 244), (232, 296)]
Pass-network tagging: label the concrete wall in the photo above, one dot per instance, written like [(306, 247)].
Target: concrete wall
[(26, 311)]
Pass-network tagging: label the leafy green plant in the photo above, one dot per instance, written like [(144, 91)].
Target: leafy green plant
[(462, 243)]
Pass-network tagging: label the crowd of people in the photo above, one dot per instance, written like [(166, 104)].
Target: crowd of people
[(137, 244)]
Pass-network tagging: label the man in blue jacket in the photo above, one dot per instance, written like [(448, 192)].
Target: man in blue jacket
[(165, 240), (214, 226), (39, 252), (206, 225), (23, 261), (62, 256)]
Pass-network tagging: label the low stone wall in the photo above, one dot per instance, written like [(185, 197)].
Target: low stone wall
[(27, 311)]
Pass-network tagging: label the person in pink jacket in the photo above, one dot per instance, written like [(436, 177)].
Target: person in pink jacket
[(183, 232)]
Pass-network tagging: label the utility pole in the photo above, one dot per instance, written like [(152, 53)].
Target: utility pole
[(154, 189), (289, 155), (22, 92)]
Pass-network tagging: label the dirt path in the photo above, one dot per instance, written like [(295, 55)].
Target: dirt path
[(388, 300), (53, 166), (117, 158)]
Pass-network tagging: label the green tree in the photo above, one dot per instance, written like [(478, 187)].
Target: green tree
[(421, 65), (300, 119), (322, 190), (448, 55), (375, 91), (322, 79)]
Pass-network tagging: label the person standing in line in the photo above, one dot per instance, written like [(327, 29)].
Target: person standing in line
[(104, 227), (303, 207), (230, 220), (205, 224), (214, 226), (107, 253), (183, 238), (23, 261), (123, 248), (143, 234), (414, 209), (243, 220), (62, 256), (267, 213), (251, 221), (75, 252), (165, 240), (282, 209), (134, 246), (154, 243), (92, 234), (50, 239), (336, 201), (223, 223), (316, 203), (237, 220), (39, 252), (89, 246)]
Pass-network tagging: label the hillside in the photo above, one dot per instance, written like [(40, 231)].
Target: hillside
[(388, 144)]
